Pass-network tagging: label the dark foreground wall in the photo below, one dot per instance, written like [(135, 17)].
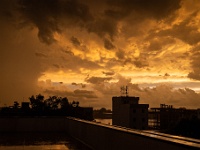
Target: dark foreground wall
[(99, 136), (32, 124), (105, 137)]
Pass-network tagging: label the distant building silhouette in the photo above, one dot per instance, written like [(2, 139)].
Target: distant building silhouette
[(167, 117), (127, 112), (198, 113), (102, 113)]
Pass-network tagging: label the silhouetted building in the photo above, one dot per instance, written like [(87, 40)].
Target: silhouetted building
[(198, 113), (83, 113), (102, 113), (127, 112), (167, 117)]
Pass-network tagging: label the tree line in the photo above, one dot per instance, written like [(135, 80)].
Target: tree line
[(52, 106), (52, 103)]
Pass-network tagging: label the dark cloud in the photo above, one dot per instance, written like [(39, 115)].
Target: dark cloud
[(123, 59), (74, 83), (120, 54), (148, 8), (71, 94), (79, 84), (97, 80), (65, 60), (110, 73), (75, 63), (155, 46), (157, 43), (112, 63), (62, 93), (79, 45), (85, 94), (41, 55), (56, 66), (195, 65), (54, 16), (49, 16), (140, 62), (185, 31), (75, 41), (136, 10), (167, 75), (68, 51), (103, 27), (194, 75), (8, 10), (108, 45)]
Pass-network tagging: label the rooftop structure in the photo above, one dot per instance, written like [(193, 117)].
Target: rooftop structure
[(127, 112), (166, 116)]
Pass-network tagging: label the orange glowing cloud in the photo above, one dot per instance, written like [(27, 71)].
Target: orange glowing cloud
[(86, 50)]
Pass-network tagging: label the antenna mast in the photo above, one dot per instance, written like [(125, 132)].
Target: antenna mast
[(124, 90)]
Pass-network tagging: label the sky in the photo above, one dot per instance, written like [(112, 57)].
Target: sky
[(87, 50)]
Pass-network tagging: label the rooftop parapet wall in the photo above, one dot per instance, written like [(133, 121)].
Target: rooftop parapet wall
[(106, 137), (99, 136), (126, 99)]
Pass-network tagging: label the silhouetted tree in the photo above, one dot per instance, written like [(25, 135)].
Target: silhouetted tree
[(37, 102), (53, 106), (64, 103), (102, 110), (16, 105), (52, 102), (75, 104)]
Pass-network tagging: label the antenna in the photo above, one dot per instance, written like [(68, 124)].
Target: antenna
[(124, 90)]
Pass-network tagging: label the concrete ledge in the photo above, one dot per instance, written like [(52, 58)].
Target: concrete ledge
[(99, 136)]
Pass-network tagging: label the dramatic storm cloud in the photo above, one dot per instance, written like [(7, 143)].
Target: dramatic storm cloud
[(86, 50)]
